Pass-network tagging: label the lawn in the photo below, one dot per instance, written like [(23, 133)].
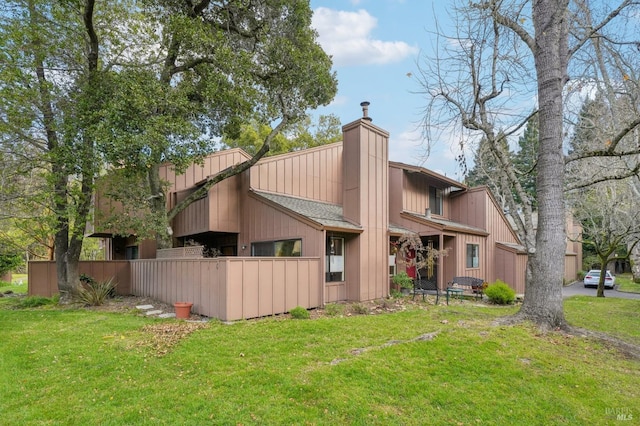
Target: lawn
[(18, 284), (433, 365), (625, 283)]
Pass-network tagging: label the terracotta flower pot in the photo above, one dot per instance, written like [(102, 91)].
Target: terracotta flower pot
[(183, 309)]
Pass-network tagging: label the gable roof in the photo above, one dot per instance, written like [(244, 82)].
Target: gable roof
[(327, 216)]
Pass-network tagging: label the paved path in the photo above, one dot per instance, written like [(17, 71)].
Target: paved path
[(577, 288)]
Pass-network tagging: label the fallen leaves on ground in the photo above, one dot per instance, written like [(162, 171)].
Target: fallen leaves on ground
[(165, 336)]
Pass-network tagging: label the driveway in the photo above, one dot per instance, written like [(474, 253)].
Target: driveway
[(577, 288)]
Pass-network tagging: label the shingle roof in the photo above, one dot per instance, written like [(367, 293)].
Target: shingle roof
[(326, 214)]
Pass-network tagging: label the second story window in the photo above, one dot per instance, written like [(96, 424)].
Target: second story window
[(435, 200)]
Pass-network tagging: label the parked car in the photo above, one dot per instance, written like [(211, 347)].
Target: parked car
[(593, 278)]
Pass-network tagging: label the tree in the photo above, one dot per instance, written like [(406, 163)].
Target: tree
[(134, 83), (300, 135), (487, 169), (497, 47), (217, 66), (610, 217), (52, 90)]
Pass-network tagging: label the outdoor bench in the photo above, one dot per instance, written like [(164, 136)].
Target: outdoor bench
[(423, 286), (459, 285)]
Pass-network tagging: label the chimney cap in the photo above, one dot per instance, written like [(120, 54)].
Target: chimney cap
[(365, 110)]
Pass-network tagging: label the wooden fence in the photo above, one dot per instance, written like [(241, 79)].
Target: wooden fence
[(43, 280), (227, 288)]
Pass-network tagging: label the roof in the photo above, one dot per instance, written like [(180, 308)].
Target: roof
[(446, 225), (326, 214), (399, 230), (446, 182), (516, 248)]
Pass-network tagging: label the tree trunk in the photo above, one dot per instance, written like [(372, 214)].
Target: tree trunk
[(159, 207), (543, 297), (634, 258)]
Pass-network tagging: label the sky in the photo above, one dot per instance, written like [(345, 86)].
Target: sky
[(376, 46)]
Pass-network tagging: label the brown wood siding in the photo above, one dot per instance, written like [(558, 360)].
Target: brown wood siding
[(366, 202), (262, 222), (211, 165), (510, 267), (415, 194), (460, 254), (314, 174), (43, 279), (231, 288), (219, 211), (396, 190), (470, 208)]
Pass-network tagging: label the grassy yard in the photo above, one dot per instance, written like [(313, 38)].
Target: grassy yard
[(18, 284), (439, 365), (625, 283)]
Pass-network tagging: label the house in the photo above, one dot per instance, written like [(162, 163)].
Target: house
[(346, 204)]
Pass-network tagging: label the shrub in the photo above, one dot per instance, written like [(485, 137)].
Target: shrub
[(35, 301), (299, 313), (581, 275), (403, 280), (333, 309), (360, 309), (95, 293), (500, 293)]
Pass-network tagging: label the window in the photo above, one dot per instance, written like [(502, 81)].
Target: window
[(131, 252), (435, 200), (473, 256), (335, 259), (283, 248), (393, 251)]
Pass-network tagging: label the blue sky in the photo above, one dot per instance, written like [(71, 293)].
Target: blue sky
[(375, 45)]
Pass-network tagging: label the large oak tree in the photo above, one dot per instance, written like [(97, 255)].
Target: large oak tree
[(91, 85)]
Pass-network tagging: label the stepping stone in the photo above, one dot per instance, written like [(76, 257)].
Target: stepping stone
[(153, 312), (144, 307), (167, 315)]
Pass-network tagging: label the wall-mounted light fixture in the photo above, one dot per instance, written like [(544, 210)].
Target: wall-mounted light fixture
[(243, 247)]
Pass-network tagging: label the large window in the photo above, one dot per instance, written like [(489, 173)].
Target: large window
[(473, 256), (335, 259), (283, 248), (435, 200)]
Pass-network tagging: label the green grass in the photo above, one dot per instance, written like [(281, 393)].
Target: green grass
[(625, 283), (18, 284), (90, 367)]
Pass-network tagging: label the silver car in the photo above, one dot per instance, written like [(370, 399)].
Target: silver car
[(593, 278)]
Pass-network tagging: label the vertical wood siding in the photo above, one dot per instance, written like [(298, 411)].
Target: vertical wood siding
[(43, 279), (231, 288), (228, 288), (315, 174), (366, 202), (415, 193), (211, 165)]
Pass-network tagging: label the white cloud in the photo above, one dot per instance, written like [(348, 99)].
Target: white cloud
[(346, 36)]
